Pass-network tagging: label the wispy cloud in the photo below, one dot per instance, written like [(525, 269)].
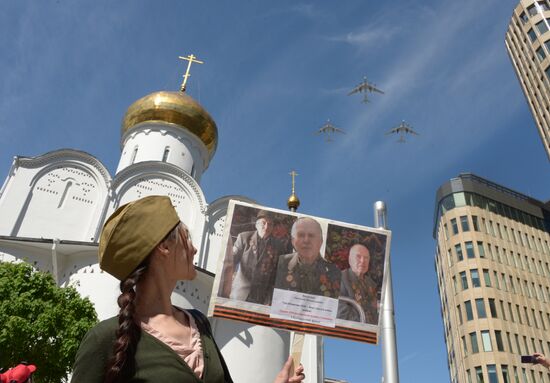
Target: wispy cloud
[(408, 357), (430, 65), (367, 37)]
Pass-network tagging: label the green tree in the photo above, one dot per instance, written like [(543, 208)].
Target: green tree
[(40, 322)]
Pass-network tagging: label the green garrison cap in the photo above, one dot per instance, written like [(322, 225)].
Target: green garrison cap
[(132, 232)]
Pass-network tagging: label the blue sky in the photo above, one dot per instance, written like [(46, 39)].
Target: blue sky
[(273, 73)]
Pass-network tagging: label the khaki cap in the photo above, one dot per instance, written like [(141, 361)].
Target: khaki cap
[(132, 232)]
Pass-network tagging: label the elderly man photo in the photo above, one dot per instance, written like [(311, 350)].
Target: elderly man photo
[(359, 286), (254, 255), (305, 270)]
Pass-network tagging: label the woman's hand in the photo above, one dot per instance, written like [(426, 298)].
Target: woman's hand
[(288, 374), (542, 360)]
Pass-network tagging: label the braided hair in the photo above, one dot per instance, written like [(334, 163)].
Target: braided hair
[(122, 364), (128, 333)]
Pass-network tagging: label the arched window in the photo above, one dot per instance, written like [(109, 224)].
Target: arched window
[(165, 155), (134, 155)]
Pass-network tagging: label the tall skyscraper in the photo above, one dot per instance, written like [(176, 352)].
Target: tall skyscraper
[(493, 270), (528, 45)]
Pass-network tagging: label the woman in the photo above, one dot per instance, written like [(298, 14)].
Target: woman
[(148, 249)]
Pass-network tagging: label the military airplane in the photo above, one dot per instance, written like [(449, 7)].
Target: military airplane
[(328, 129), (402, 129), (365, 87)]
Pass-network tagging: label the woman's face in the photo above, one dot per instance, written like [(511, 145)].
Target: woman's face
[(183, 254)]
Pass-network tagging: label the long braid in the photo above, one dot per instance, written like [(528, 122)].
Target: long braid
[(124, 350)]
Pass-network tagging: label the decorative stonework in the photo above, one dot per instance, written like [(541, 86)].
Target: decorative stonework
[(159, 170), (167, 129), (64, 156)]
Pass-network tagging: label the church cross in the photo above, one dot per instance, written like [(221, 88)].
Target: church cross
[(191, 59), (293, 175)]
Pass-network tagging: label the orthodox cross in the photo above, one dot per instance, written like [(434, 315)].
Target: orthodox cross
[(191, 59), (293, 174)]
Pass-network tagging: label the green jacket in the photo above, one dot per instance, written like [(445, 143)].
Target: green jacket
[(155, 361)]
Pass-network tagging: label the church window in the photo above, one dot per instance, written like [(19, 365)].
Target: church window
[(64, 195), (134, 155), (165, 155)]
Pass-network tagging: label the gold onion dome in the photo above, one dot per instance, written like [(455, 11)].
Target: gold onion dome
[(293, 202), (174, 108)]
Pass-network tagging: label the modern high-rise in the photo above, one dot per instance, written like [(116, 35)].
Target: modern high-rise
[(528, 45), (493, 270)]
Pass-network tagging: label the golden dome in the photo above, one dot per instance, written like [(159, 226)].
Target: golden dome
[(175, 108), (293, 202)]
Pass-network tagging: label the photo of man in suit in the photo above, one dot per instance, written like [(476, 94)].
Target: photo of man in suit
[(305, 270), (254, 257)]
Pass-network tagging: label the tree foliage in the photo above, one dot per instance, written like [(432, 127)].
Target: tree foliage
[(40, 322)]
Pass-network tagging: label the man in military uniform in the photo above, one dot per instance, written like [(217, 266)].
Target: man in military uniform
[(305, 270), (359, 286), (255, 254)]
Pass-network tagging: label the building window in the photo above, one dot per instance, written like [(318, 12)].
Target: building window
[(473, 342), (542, 27), (480, 306), (464, 223), (486, 341), (464, 280), (486, 278), (495, 279), (492, 372), (509, 342), (492, 308), (454, 226), (503, 309), (469, 249), (480, 249), (458, 250), (498, 339), (464, 346), (540, 54), (532, 35), (469, 313), (459, 314), (475, 222), (516, 376), (518, 345), (479, 375), (475, 278), (446, 231), (523, 17)]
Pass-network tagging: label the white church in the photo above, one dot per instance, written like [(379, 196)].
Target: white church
[(53, 206)]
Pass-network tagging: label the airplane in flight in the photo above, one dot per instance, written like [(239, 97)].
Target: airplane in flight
[(328, 129), (402, 129), (365, 87)]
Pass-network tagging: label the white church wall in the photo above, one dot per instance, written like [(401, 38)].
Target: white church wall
[(154, 178), (14, 252), (60, 194), (165, 143), (81, 270), (211, 247), (251, 352)]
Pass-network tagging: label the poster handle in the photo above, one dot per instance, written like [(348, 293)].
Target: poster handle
[(297, 347)]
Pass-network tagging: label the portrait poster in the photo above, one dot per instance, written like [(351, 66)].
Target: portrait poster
[(301, 273)]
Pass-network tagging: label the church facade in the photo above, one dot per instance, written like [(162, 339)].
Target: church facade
[(53, 208)]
